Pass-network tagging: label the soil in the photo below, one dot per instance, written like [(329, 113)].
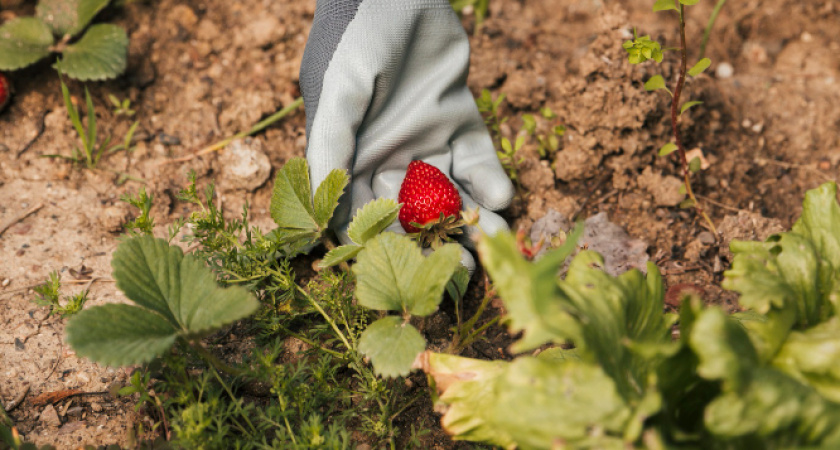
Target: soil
[(200, 71)]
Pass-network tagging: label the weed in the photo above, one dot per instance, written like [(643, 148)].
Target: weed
[(642, 49), (121, 108), (143, 224), (478, 8), (49, 294), (548, 142), (90, 152)]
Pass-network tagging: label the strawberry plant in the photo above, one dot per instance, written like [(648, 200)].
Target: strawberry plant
[(641, 49), (763, 378), (97, 52), (175, 298)]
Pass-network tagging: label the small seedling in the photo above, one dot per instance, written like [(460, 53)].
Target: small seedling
[(548, 143), (90, 152), (49, 294), (144, 224), (642, 49), (478, 8), (121, 108)]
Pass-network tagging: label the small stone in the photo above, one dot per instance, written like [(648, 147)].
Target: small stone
[(168, 139), (114, 217), (49, 417), (6, 282), (245, 165), (724, 70), (184, 16), (75, 411), (706, 238), (96, 407)]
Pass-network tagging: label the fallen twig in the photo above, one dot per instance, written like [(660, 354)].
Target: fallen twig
[(15, 219)]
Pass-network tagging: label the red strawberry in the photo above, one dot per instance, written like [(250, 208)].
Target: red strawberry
[(431, 204), (5, 91)]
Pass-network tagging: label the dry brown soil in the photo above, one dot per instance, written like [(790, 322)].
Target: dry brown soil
[(201, 70)]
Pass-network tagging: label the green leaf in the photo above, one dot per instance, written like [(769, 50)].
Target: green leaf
[(517, 403), (787, 273), (468, 390), (384, 270), (392, 346), (339, 255), (688, 203), (529, 124), (120, 335), (23, 41), (667, 149), (68, 16), (327, 194), (689, 2), (688, 105), (723, 348), (457, 286), (426, 288), (811, 357), (694, 165), (775, 410), (655, 82), (393, 275), (701, 65), (372, 218), (99, 55), (820, 223), (506, 146), (291, 201), (664, 5), (157, 276)]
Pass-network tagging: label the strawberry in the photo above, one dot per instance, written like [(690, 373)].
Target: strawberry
[(431, 204), (5, 91)]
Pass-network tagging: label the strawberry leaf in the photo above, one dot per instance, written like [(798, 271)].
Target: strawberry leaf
[(68, 16), (99, 55), (175, 296), (327, 194), (427, 286), (120, 335), (291, 201), (393, 275), (392, 345), (372, 219), (339, 255), (23, 41)]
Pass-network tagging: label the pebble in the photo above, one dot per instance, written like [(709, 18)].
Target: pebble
[(245, 165), (724, 70), (96, 407), (49, 417), (706, 238)]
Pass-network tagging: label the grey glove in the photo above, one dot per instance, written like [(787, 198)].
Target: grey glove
[(384, 83)]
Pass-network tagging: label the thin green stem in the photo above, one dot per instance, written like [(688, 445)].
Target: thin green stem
[(708, 31), (261, 125), (310, 342), (326, 317), (235, 400), (675, 124)]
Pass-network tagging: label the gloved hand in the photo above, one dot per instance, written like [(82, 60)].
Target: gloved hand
[(384, 83)]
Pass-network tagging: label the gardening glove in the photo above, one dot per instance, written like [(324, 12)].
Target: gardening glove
[(384, 83)]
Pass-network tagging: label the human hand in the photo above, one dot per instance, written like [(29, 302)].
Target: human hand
[(384, 83)]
